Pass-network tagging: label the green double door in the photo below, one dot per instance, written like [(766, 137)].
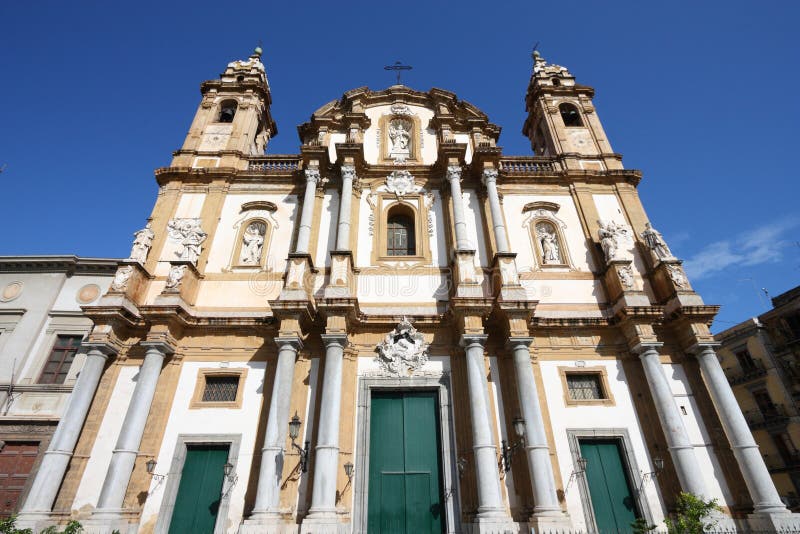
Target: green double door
[(609, 487), (200, 490), (404, 467)]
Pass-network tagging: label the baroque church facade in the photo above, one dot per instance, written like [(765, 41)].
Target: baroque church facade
[(398, 329)]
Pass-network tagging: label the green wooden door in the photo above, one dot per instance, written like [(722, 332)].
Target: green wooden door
[(404, 473), (200, 490), (609, 488)]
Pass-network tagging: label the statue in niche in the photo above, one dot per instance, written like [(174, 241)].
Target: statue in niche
[(400, 137), (548, 240), (655, 242), (142, 241), (188, 233), (252, 243)]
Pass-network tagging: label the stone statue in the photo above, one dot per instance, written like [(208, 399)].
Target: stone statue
[(175, 276), (677, 276), (610, 233), (626, 276), (400, 136), (188, 233), (142, 241), (252, 244), (549, 242), (655, 242), (120, 282), (403, 350)]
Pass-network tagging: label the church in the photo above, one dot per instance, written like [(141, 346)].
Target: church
[(398, 329)]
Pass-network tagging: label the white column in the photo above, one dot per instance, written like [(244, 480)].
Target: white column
[(326, 463), (343, 235), (454, 177), (269, 476), (680, 447), (490, 501), (307, 215), (756, 476), (540, 468), (130, 437), (500, 237), (54, 464)]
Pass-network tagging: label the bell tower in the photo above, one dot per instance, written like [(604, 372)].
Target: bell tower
[(233, 120), (562, 120)]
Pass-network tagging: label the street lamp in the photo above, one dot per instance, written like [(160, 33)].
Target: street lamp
[(151, 468), (294, 432), (508, 450), (348, 470)]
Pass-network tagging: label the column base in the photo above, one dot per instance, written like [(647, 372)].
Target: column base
[(107, 522), (323, 523), (267, 523), (36, 521), (550, 521), (500, 524), (774, 522)]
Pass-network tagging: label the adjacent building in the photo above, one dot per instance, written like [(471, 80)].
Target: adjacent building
[(399, 328), (761, 358), (41, 330)]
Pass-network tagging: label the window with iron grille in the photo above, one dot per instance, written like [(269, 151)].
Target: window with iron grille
[(221, 388), (585, 386), (400, 236), (61, 356)]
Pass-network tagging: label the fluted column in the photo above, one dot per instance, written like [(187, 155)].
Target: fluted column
[(500, 237), (343, 235), (323, 498), (269, 476), (54, 464), (754, 470), (454, 177), (540, 467), (490, 502), (307, 215), (680, 447), (130, 437)]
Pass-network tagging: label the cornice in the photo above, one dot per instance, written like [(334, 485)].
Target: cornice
[(59, 264)]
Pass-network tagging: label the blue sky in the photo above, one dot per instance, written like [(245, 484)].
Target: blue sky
[(698, 95)]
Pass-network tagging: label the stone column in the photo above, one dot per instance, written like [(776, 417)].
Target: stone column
[(454, 177), (54, 464), (500, 237), (266, 508), (307, 215), (343, 235), (540, 467), (326, 463), (130, 437), (759, 482), (680, 447), (490, 501)]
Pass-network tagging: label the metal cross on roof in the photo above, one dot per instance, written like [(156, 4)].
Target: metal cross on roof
[(399, 67)]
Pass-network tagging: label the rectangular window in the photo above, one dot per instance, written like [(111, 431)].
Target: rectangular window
[(221, 388), (585, 386), (745, 360), (60, 359)]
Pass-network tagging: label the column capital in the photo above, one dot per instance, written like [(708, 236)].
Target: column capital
[(470, 340), (312, 175), (106, 349), (515, 342), (335, 339), (454, 172), (489, 175), (163, 347), (291, 342), (640, 348), (348, 172), (699, 348)]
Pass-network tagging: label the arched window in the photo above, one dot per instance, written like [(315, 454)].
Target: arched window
[(570, 115), (227, 110), (400, 233)]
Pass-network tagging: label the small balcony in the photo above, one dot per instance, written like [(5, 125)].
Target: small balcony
[(770, 417), (274, 163), (778, 464), (742, 375)]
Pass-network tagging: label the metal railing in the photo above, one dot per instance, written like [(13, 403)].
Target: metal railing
[(769, 416), (274, 163), (745, 374)]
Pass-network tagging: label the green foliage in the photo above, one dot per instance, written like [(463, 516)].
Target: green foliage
[(692, 515), (9, 526), (641, 526)]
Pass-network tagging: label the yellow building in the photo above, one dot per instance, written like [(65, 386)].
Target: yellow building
[(398, 329), (760, 357)]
